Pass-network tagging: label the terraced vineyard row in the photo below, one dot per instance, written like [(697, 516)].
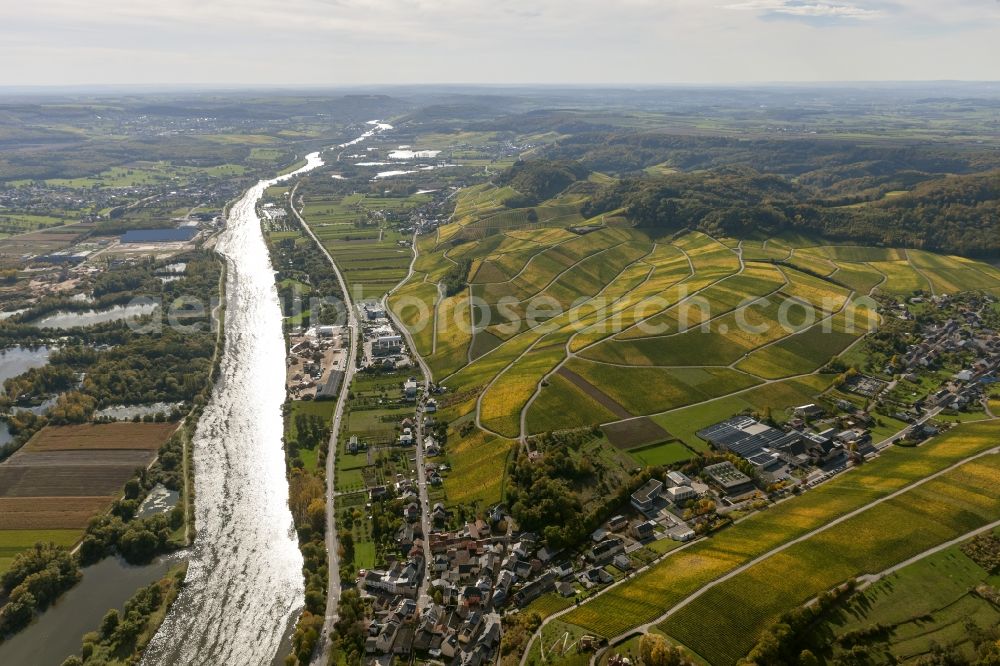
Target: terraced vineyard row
[(707, 326)]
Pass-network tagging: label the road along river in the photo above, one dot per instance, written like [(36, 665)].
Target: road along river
[(244, 583)]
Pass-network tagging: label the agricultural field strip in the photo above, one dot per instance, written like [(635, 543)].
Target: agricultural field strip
[(879, 545), (732, 365), (553, 280), (555, 328), (788, 544), (570, 353), (764, 556), (693, 294), (868, 580), (639, 288), (437, 308), (791, 250), (930, 283), (785, 338), (542, 250), (550, 322), (561, 273), (712, 319)]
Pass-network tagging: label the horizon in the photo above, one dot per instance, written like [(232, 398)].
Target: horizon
[(357, 42)]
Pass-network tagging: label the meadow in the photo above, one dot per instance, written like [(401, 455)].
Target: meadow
[(938, 511), (692, 319), (928, 602), (681, 573), (361, 233)]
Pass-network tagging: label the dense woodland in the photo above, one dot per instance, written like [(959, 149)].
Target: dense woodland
[(956, 213)]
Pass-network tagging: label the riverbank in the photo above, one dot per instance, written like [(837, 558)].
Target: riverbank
[(244, 583)]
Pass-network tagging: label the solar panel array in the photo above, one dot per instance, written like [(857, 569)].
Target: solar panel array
[(732, 435)]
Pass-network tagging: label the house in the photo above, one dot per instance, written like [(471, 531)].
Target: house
[(644, 498), (406, 438), (472, 595), (410, 389), (617, 523), (470, 628), (809, 411), (431, 406), (607, 549), (546, 554), (565, 589), (732, 481), (387, 636), (644, 530), (681, 533), (411, 512), (490, 637), (387, 345), (353, 445), (536, 588), (563, 569), (374, 311), (599, 575), (622, 562)]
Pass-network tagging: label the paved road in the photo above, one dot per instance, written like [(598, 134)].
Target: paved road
[(788, 544), (869, 579), (425, 508), (322, 655)]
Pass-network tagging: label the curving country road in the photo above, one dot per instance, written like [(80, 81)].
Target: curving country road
[(322, 655)]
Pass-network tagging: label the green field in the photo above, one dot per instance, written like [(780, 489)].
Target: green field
[(938, 511), (666, 454), (13, 542), (925, 603), (359, 233), (704, 334), (647, 595)]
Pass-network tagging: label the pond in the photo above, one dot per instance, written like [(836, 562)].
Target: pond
[(159, 500), (6, 436), (59, 631), (10, 313), (68, 319), (129, 412), (17, 360)]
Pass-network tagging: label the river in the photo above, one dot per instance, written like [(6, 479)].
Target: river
[(244, 584)]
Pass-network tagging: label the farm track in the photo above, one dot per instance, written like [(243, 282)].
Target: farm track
[(640, 628), (331, 615), (644, 628), (523, 436), (920, 272)]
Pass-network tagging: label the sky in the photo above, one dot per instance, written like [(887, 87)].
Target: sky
[(364, 42)]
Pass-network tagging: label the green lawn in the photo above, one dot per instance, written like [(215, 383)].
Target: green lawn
[(663, 454), (13, 542)]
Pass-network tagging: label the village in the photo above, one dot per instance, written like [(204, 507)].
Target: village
[(449, 608)]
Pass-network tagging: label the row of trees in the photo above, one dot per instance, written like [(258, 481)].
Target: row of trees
[(34, 580)]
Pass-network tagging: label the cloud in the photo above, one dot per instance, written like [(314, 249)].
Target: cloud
[(807, 10), (496, 41)]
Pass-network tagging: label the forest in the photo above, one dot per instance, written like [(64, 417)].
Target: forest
[(955, 214)]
